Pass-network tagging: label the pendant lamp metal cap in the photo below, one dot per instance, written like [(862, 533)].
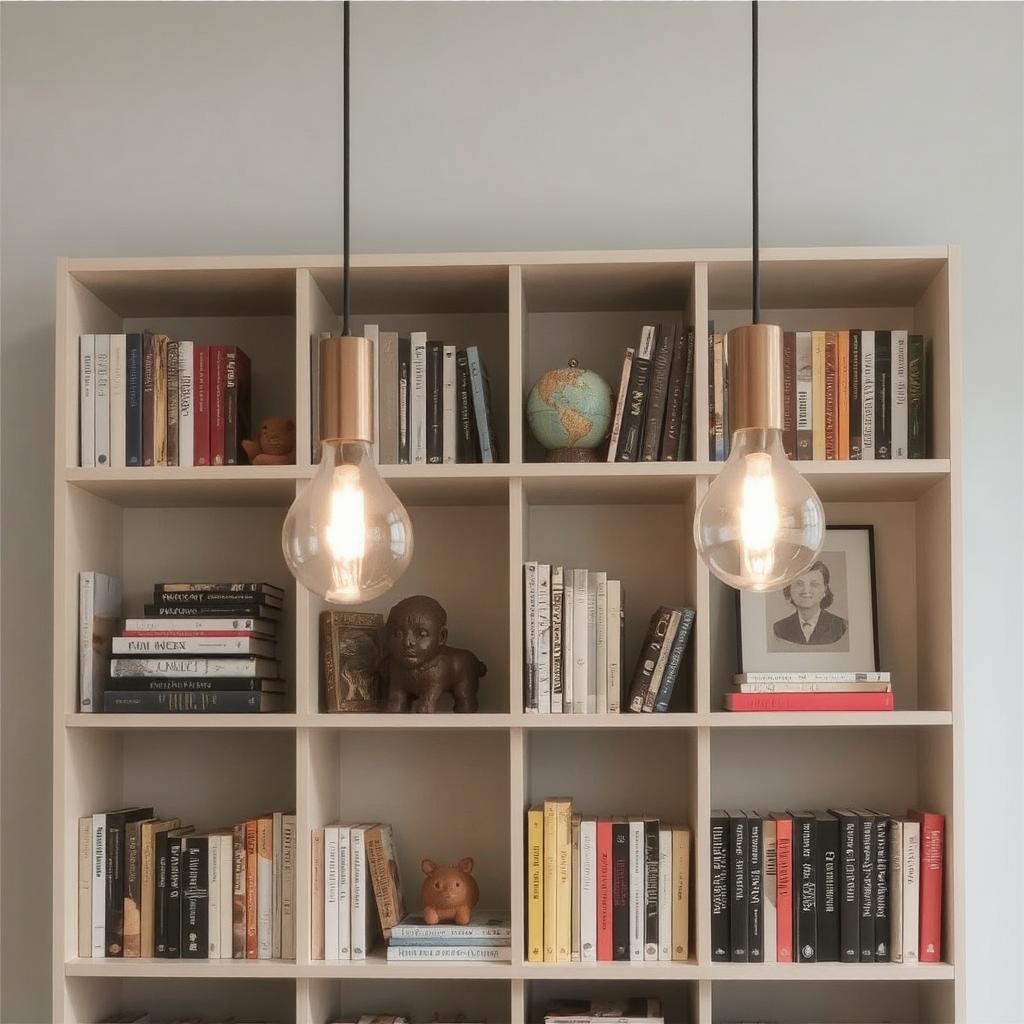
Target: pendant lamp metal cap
[(754, 357), (346, 389)]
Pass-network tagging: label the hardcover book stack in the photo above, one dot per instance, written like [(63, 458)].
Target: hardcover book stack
[(849, 886), (433, 400), (653, 410), (604, 1011), (604, 889), (851, 394), (487, 937), (148, 400), (202, 648), (151, 886), (810, 691)]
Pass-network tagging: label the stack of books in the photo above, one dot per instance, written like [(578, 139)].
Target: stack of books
[(850, 394), (810, 691), (604, 1011), (850, 886), (603, 889), (661, 659), (151, 886), (148, 400), (202, 648), (653, 410), (433, 400), (487, 937)]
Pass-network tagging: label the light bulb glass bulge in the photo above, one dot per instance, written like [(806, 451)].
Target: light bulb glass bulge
[(347, 537), (760, 524)]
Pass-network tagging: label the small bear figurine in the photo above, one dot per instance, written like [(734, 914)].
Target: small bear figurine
[(449, 892), (276, 444)]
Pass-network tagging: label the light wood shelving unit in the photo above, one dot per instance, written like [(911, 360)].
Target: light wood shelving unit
[(528, 312)]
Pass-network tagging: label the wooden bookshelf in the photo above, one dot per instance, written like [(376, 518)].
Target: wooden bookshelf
[(528, 312)]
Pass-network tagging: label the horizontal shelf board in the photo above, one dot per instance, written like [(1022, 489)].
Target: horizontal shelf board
[(398, 722), (671, 720), (77, 720), (132, 967), (828, 972), (476, 484), (613, 483), (827, 719), (654, 970)]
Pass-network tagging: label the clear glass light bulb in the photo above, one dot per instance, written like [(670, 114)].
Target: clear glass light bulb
[(347, 537), (760, 524)]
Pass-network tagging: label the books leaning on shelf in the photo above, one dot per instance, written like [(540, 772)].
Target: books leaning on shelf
[(661, 659), (433, 400), (202, 648), (851, 394), (148, 400), (604, 1011), (487, 938), (810, 691), (152, 886), (654, 406), (604, 889), (849, 886)]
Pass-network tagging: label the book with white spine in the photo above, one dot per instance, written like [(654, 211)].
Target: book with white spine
[(663, 655), (276, 925), (344, 929), (331, 876), (103, 401), (491, 954), (580, 642), (364, 908), (530, 637), (811, 677), (637, 887), (213, 889), (896, 891), (592, 581), (911, 891), (867, 394), (769, 888), (99, 610), (87, 401), (449, 405), (118, 399), (588, 889), (288, 849), (226, 893), (601, 646), (543, 655), (189, 650), (85, 886), (568, 660), (557, 673), (900, 384), (186, 403), (614, 628), (264, 887), (99, 886), (418, 398), (620, 404), (817, 687), (664, 892)]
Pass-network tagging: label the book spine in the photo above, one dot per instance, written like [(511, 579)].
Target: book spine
[(805, 888), (900, 426), (652, 870), (575, 882), (856, 427), (818, 402), (648, 661), (588, 890), (243, 422), (449, 407), (231, 389), (238, 865), (658, 674), (895, 884), (85, 886), (769, 887), (831, 396), (278, 890), (817, 687), (665, 893), (755, 891), (809, 702), (186, 404), (535, 885), (637, 883), (804, 396), (316, 908), (915, 398), (224, 839), (213, 909), (721, 946), (449, 953), (592, 582), (530, 637), (881, 888), (149, 359), (580, 641), (601, 644), (160, 401), (867, 394), (620, 890), (161, 850), (218, 397), (154, 684), (739, 846), (435, 403), (387, 391), (654, 414), (418, 399), (615, 620), (784, 889), (174, 898), (543, 650), (181, 649), (812, 677), (380, 854), (883, 394), (207, 702), (550, 891), (265, 888), (686, 417), (90, 685), (118, 400), (911, 892), (843, 394), (669, 448), (344, 890), (557, 593), (630, 440), (466, 448), (711, 392), (563, 881), (404, 399), (195, 917), (133, 889), (568, 640), (866, 841), (849, 897), (604, 890), (620, 405), (828, 888), (681, 894), (173, 402), (201, 429), (114, 874), (252, 889), (480, 392), (99, 885), (675, 660), (87, 401), (932, 849), (721, 399), (133, 400), (789, 394)]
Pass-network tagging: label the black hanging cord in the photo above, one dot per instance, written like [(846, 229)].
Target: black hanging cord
[(345, 174), (756, 299)]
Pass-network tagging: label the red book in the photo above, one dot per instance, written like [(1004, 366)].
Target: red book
[(808, 702), (783, 888), (251, 871), (218, 392), (604, 889), (932, 845), (201, 455), (831, 397), (789, 393)]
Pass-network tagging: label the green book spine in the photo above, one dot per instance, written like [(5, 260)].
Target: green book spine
[(916, 441)]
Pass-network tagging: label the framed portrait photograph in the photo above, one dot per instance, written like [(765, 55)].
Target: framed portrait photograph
[(825, 621)]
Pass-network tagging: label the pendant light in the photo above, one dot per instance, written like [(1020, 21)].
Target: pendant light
[(347, 537), (760, 524)]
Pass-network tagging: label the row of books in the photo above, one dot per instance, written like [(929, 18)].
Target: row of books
[(201, 648), (635, 1010), (851, 394), (151, 886), (810, 691), (433, 400), (148, 400), (851, 886), (604, 889), (653, 409)]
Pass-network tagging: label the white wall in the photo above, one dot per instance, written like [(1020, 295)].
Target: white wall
[(151, 129)]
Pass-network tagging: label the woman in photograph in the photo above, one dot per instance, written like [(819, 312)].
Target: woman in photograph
[(811, 623)]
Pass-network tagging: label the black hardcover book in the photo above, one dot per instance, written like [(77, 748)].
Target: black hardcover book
[(115, 875), (755, 889), (805, 887), (173, 898), (669, 450), (654, 415), (856, 425), (631, 431), (196, 684), (211, 602), (167, 883), (720, 944), (849, 887), (207, 611), (881, 888), (195, 899), (192, 702), (829, 892), (789, 394), (739, 843), (916, 385), (435, 391), (711, 393), (620, 889), (883, 394), (209, 591), (866, 860), (133, 401), (403, 400), (467, 448), (686, 415), (651, 853)]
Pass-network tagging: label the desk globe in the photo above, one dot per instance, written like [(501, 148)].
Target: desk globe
[(569, 411)]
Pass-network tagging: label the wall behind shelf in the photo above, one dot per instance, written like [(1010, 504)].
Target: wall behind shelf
[(476, 137)]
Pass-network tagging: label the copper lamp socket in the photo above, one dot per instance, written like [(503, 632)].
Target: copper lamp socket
[(754, 355), (346, 389)]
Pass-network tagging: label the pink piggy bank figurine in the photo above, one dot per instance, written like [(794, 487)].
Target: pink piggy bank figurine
[(449, 892)]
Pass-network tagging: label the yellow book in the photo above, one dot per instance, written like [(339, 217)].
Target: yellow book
[(818, 394), (563, 868), (680, 894), (535, 885), (550, 855)]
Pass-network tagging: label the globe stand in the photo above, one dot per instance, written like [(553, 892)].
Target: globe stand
[(571, 455)]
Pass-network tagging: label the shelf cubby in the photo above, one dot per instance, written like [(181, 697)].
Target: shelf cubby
[(679, 999)]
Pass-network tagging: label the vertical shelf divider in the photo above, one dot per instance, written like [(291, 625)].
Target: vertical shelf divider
[(516, 345), (699, 294)]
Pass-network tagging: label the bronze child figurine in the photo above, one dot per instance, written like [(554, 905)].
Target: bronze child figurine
[(419, 667)]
